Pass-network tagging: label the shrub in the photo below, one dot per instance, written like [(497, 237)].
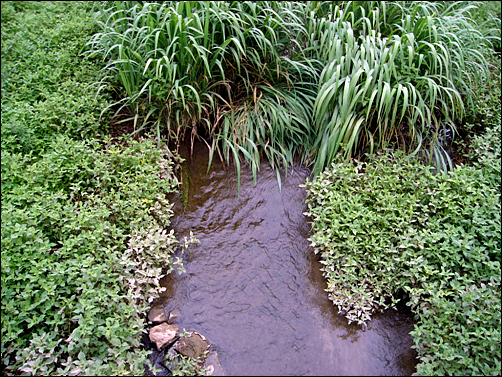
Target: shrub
[(83, 247), (391, 228), (362, 219)]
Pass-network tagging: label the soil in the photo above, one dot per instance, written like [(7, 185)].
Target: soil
[(120, 127)]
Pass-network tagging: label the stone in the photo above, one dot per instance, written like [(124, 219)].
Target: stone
[(213, 364), (192, 345), (163, 335), (172, 316), (172, 352), (157, 314)]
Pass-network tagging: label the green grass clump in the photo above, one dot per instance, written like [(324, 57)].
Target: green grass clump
[(215, 68), (276, 79), (487, 16)]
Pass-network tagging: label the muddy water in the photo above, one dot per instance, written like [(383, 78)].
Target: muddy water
[(254, 287)]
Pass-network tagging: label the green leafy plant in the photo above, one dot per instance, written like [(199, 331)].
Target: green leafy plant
[(403, 81), (45, 83), (186, 366), (74, 212), (83, 248), (390, 229), (285, 78)]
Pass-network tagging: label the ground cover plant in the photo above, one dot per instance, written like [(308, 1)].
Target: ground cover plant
[(44, 81), (392, 229), (84, 221), (83, 246)]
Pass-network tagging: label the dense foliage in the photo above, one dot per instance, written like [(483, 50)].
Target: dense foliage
[(84, 239), (83, 247), (45, 83), (390, 228), (85, 219), (285, 78)]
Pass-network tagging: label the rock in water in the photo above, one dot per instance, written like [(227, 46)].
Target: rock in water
[(192, 345), (163, 334), (173, 315), (213, 364), (157, 314)]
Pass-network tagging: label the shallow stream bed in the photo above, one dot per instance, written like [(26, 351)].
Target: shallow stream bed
[(254, 287)]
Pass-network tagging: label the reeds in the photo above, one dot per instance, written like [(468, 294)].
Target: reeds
[(276, 79)]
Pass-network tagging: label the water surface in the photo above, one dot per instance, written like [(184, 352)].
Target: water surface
[(253, 285)]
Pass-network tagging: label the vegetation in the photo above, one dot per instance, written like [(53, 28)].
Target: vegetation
[(285, 78), (391, 229), (83, 221), (83, 246), (85, 217)]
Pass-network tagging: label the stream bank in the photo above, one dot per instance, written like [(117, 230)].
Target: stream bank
[(254, 287)]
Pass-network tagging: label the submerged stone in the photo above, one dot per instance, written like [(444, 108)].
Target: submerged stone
[(157, 314), (213, 364), (193, 345), (163, 335)]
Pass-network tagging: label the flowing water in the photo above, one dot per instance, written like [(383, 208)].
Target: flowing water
[(253, 285)]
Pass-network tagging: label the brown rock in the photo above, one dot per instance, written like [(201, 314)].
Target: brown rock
[(157, 314), (173, 315), (163, 334), (192, 345), (213, 364)]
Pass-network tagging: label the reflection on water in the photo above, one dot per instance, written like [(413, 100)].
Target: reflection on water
[(254, 287)]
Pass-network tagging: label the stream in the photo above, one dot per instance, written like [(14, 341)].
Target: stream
[(254, 287)]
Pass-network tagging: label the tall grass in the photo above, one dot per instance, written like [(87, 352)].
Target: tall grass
[(320, 80), (192, 66)]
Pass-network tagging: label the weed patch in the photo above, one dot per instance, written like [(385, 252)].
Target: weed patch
[(391, 225), (83, 247)]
